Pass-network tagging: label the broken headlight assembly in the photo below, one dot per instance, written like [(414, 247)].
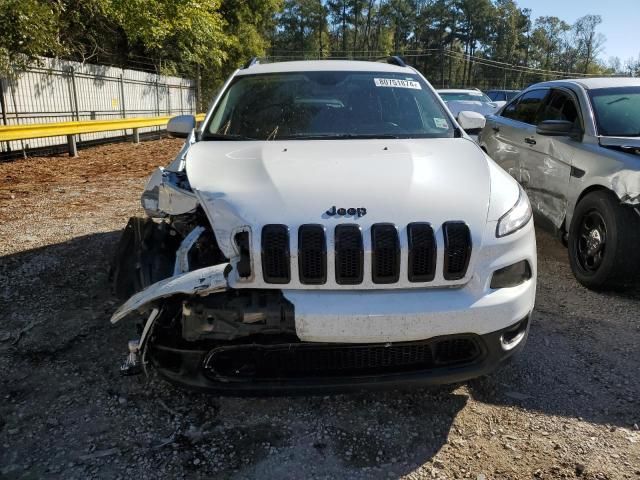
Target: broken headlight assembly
[(516, 218)]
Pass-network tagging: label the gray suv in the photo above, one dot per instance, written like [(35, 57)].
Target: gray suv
[(574, 145)]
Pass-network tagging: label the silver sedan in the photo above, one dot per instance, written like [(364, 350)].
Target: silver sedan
[(574, 145)]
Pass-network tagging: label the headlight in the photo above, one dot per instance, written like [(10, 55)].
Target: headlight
[(515, 218)]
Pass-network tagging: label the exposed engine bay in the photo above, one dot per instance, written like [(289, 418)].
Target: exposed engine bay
[(176, 239)]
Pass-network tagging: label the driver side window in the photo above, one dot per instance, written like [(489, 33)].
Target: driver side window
[(525, 109), (559, 106), (510, 110)]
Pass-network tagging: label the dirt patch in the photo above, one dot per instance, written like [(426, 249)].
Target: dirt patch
[(568, 407)]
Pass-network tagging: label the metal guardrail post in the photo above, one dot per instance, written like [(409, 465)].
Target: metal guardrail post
[(136, 136), (73, 148)]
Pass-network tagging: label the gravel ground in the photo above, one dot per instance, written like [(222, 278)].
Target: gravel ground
[(567, 407)]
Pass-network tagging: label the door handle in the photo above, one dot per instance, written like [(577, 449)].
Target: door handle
[(530, 140), (496, 129)]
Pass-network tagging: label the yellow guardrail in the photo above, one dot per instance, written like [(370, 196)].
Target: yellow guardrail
[(69, 129)]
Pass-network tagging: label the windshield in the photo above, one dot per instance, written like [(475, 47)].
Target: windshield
[(468, 96), (617, 111), (511, 94), (328, 105)]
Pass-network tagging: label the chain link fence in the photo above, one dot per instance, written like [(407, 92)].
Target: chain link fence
[(62, 91)]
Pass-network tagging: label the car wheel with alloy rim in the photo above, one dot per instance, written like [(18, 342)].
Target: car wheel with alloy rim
[(603, 242)]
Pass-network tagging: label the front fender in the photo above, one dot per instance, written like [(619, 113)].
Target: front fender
[(199, 282)]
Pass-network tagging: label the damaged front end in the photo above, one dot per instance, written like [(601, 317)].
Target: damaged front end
[(173, 275)]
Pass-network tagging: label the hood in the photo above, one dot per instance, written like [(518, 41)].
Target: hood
[(628, 143), (295, 182)]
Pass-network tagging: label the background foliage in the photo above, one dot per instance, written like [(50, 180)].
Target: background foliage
[(484, 43)]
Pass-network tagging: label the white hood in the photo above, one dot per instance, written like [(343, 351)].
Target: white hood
[(295, 182)]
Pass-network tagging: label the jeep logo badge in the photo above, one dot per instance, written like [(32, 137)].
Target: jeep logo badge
[(354, 212)]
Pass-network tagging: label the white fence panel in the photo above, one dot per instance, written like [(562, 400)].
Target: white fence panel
[(59, 91)]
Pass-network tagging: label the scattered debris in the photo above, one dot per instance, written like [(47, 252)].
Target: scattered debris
[(100, 453), (517, 395)]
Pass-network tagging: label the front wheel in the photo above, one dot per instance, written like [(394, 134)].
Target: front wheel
[(603, 242)]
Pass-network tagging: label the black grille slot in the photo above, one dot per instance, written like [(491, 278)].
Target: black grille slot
[(385, 253), (305, 360), (275, 254), (312, 255), (349, 254), (422, 252), (457, 244), (244, 264)]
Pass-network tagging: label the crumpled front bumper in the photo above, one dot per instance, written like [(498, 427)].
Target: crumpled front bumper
[(186, 368)]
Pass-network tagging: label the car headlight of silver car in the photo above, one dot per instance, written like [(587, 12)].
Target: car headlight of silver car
[(516, 218)]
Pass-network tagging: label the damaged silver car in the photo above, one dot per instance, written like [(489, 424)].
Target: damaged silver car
[(574, 145)]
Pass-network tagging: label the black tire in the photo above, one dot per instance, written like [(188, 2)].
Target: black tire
[(603, 242)]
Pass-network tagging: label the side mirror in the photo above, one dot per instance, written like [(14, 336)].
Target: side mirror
[(470, 121), (181, 125), (556, 128)]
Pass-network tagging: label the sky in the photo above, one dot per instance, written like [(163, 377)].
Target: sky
[(620, 21)]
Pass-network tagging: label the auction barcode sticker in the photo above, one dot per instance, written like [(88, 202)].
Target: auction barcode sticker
[(396, 83)]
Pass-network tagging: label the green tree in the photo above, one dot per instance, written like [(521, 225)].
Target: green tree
[(302, 28), (589, 41), (28, 29), (547, 41), (175, 31)]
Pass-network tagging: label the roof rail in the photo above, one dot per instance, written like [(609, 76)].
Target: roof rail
[(396, 60), (252, 62)]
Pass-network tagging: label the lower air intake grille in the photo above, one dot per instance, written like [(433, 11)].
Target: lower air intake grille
[(422, 252), (275, 254), (349, 255), (457, 244), (300, 360), (385, 253), (312, 255), (455, 350)]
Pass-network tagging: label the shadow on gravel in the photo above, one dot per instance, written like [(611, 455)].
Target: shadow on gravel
[(66, 411), (581, 359), (53, 294), (579, 374)]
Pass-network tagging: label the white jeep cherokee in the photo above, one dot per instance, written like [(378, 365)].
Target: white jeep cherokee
[(329, 225)]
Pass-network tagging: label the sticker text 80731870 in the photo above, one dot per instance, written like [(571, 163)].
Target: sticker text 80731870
[(397, 83)]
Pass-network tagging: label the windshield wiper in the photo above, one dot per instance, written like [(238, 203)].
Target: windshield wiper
[(224, 136), (621, 99)]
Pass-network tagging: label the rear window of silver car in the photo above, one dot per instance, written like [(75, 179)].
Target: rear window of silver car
[(466, 96), (328, 105)]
